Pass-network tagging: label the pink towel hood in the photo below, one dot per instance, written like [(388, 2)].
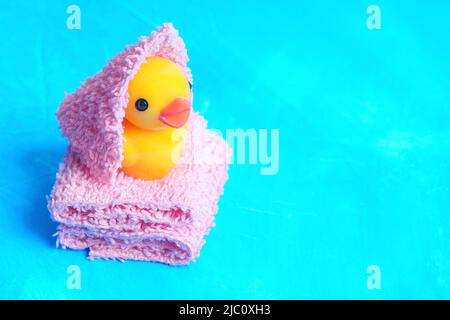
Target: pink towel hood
[(91, 117)]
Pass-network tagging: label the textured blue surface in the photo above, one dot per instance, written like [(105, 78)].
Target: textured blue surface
[(364, 119)]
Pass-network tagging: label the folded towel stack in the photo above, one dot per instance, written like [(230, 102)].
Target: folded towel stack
[(163, 220), (114, 215)]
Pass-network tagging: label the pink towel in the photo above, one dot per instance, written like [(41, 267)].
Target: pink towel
[(92, 116), (162, 220), (114, 215)]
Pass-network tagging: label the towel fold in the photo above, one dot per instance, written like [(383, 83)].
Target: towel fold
[(162, 220), (164, 245)]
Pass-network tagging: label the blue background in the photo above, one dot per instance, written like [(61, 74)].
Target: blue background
[(364, 146)]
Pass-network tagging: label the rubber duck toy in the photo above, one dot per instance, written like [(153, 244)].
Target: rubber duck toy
[(155, 119)]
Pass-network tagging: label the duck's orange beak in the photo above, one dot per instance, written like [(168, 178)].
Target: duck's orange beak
[(176, 113)]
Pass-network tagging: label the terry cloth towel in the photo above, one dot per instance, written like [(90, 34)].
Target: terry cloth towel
[(161, 220), (117, 216), (92, 116)]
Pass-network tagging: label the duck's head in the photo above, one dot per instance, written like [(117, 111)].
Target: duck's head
[(159, 96)]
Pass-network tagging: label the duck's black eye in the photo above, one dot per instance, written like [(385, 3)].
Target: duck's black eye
[(141, 104), (190, 85)]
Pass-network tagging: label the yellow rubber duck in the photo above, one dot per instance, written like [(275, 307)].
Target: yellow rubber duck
[(155, 119)]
